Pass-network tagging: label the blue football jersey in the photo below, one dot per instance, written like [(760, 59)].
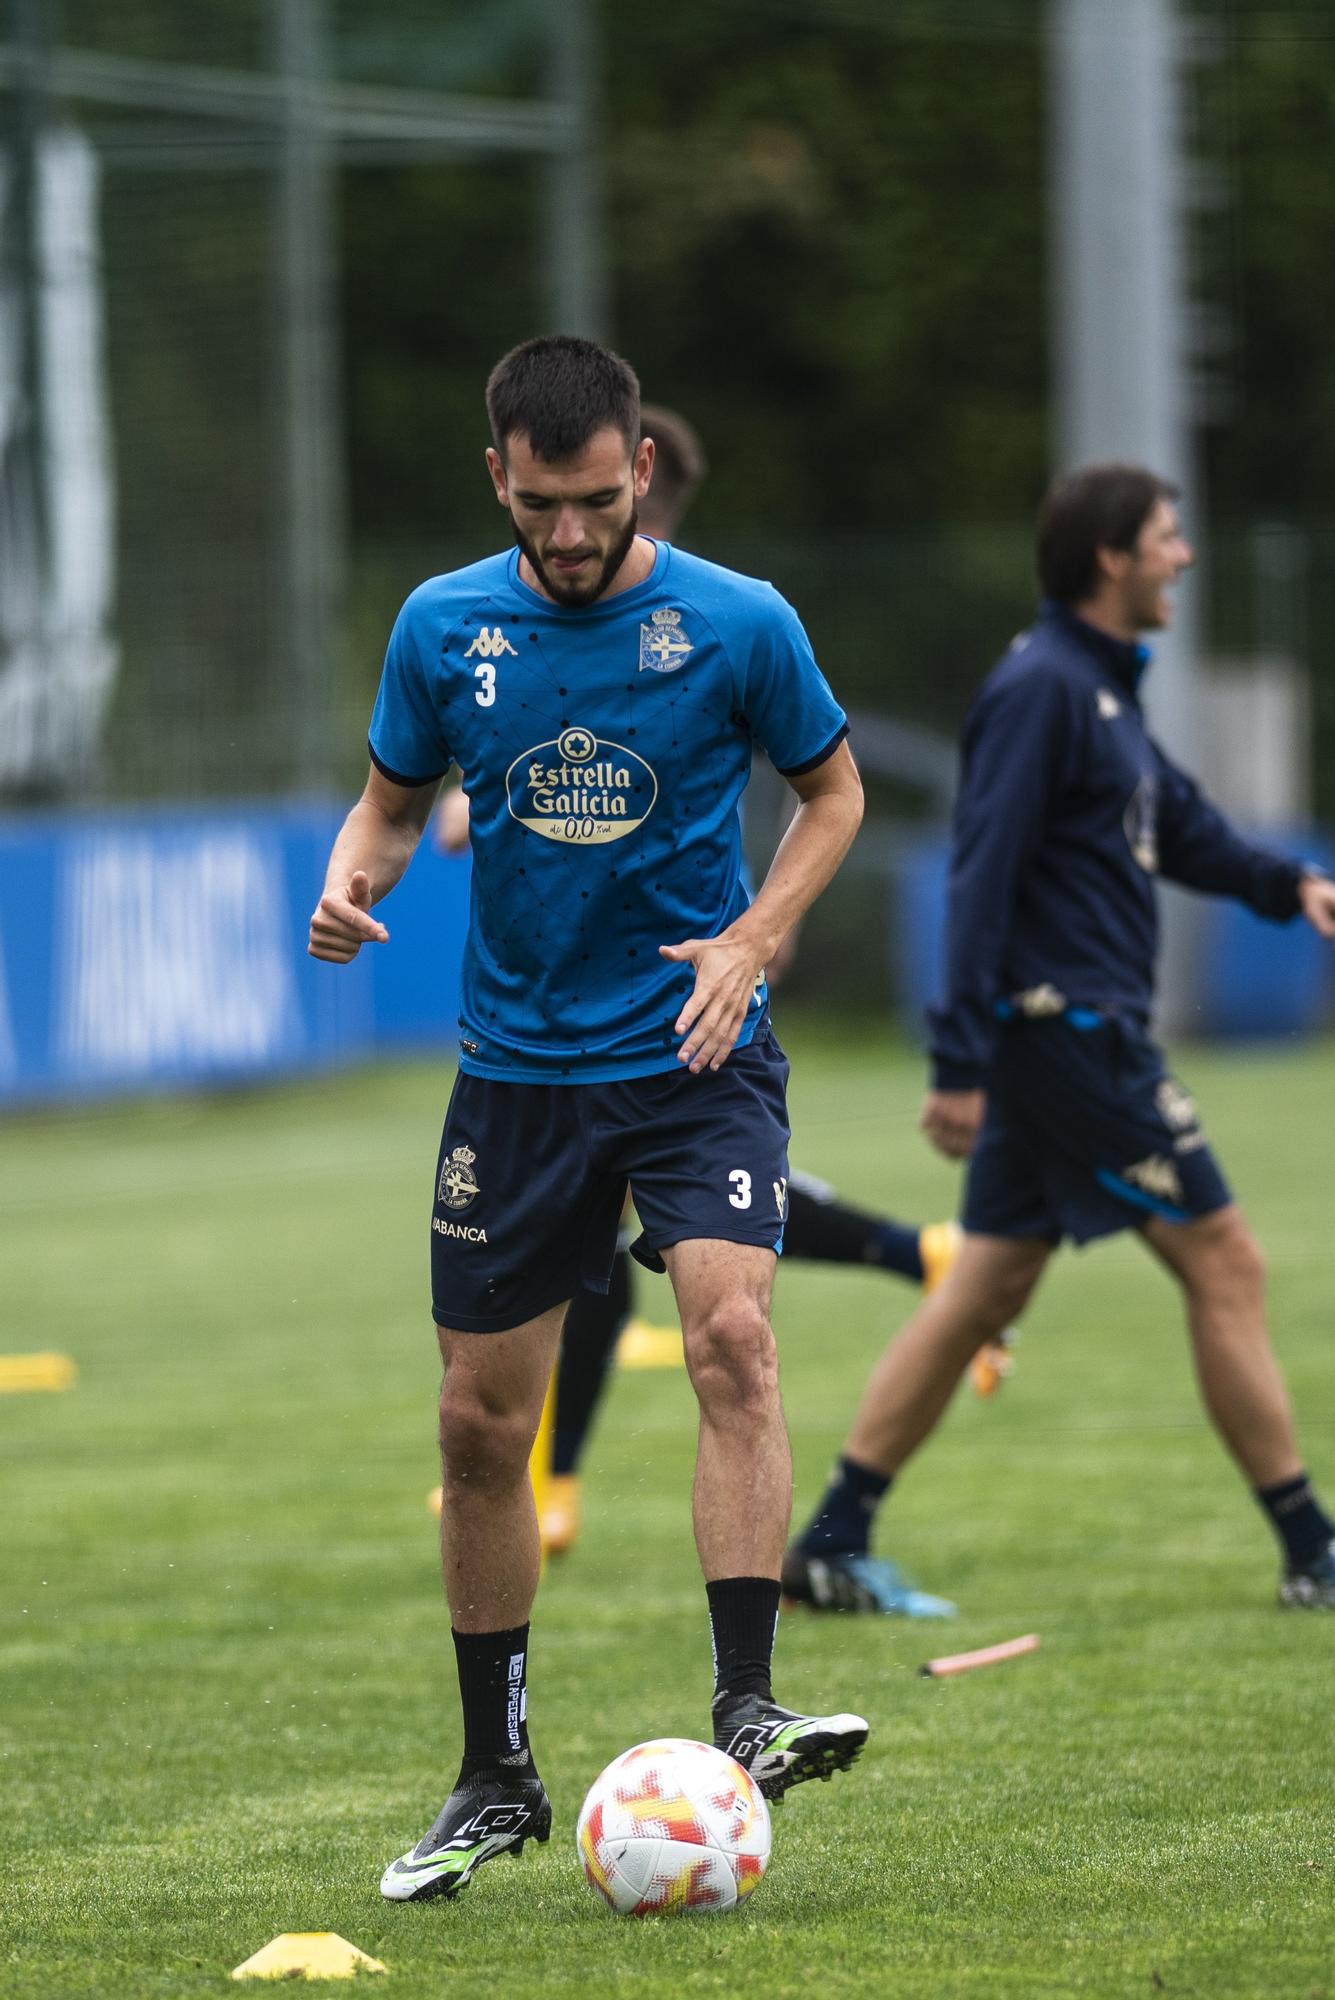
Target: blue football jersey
[(604, 751)]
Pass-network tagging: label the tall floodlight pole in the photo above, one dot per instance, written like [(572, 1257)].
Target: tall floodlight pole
[(575, 234), (1120, 321), (311, 489)]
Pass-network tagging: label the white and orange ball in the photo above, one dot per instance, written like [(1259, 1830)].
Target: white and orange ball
[(671, 1826)]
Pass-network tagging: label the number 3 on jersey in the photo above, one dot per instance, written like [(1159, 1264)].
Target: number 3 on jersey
[(485, 675), (741, 1188)]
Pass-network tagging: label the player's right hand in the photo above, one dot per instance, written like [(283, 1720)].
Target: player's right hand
[(342, 923), (952, 1120)]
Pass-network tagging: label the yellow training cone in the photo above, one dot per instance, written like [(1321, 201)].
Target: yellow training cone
[(540, 1458), (20, 1373), (308, 1955), (645, 1346)]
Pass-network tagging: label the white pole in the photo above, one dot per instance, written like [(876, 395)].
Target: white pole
[(1120, 323)]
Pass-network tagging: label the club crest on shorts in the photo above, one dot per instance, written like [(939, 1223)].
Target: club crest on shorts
[(1175, 1105), (458, 1183), (663, 644)]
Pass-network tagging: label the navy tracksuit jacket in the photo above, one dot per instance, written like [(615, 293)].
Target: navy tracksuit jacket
[(1067, 810)]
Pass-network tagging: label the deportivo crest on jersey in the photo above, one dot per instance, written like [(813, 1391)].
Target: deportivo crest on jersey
[(490, 644), (1109, 706), (458, 1183), (663, 644), (580, 789)]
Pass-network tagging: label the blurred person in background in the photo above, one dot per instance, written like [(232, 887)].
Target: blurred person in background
[(820, 1227), (1044, 1076), (602, 694)]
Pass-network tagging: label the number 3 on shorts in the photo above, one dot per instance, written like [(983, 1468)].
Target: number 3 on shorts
[(741, 1188)]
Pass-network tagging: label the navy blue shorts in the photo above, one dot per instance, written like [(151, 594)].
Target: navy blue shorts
[(1086, 1133), (532, 1177)]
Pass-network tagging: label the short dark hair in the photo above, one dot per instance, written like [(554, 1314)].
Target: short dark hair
[(557, 391), (679, 457), (1096, 507)]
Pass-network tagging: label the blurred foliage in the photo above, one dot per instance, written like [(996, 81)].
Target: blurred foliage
[(826, 237), (827, 241), (818, 248), (823, 253), (1265, 101), (834, 262)]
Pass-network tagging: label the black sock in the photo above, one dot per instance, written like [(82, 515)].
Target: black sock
[(841, 1525), (822, 1231), (492, 1686), (743, 1614), (587, 1345), (1304, 1528), (899, 1249)]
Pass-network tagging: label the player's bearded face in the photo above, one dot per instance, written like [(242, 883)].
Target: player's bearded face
[(579, 574), (575, 520)]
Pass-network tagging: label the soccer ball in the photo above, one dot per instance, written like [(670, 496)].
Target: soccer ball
[(673, 1825)]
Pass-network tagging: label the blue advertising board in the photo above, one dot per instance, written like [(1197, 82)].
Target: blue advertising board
[(153, 949)]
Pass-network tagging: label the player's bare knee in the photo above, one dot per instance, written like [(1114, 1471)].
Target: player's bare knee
[(479, 1442), (1230, 1267), (1243, 1270), (984, 1310), (731, 1355), (1007, 1299)]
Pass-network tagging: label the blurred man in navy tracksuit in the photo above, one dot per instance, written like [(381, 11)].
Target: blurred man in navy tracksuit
[(1044, 1075)]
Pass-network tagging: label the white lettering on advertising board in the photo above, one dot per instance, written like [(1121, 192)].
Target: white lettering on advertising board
[(175, 952)]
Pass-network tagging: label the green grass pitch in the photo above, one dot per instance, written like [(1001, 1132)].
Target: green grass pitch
[(227, 1692)]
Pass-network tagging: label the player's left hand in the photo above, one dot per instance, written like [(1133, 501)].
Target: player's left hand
[(952, 1120), (450, 823), (1316, 898), (726, 971)]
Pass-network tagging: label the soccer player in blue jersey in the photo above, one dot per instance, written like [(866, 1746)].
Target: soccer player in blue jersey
[(820, 1227), (602, 695), (1044, 1074)]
